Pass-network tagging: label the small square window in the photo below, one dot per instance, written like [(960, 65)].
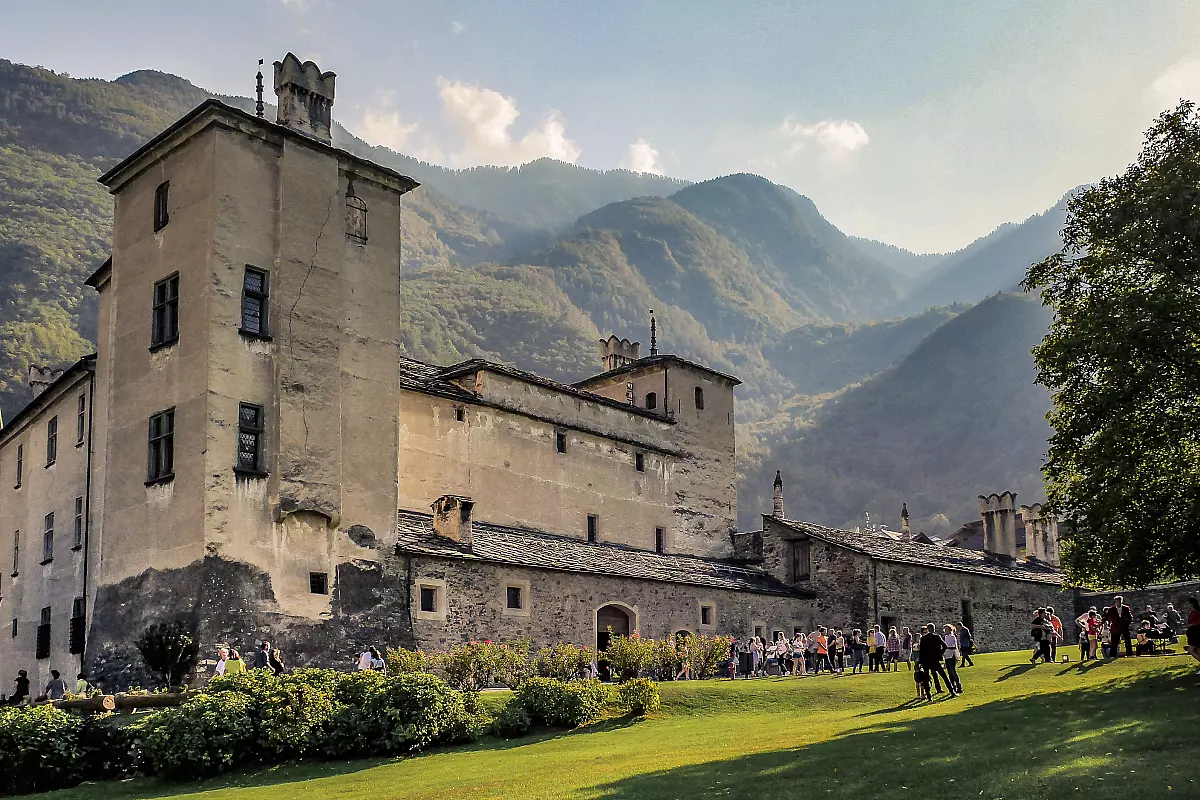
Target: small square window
[(706, 615), (593, 528), (560, 441), (639, 462), (429, 599), (318, 582), (513, 597)]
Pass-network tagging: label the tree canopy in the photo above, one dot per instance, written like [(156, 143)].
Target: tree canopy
[(1122, 360)]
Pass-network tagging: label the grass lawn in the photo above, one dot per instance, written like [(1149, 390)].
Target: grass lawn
[(1123, 729)]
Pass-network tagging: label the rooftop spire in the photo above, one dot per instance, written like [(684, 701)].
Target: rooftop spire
[(777, 497), (653, 334), (259, 108)]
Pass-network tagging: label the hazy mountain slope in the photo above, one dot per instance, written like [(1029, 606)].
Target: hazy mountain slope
[(995, 263), (808, 261), (957, 417), (905, 262), (820, 358)]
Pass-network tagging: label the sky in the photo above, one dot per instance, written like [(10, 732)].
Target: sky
[(919, 123)]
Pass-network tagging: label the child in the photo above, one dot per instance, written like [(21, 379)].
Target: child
[(921, 676)]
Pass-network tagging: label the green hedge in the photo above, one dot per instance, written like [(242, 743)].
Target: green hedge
[(43, 748)]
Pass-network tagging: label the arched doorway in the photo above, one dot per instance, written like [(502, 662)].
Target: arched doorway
[(611, 620)]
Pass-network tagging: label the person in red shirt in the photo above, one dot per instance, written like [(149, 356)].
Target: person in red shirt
[(1193, 630)]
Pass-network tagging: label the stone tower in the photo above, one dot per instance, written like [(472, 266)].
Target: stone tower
[(253, 366)]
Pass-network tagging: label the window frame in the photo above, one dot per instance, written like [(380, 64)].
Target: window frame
[(48, 539), (440, 600), (164, 312), (800, 560), (651, 401), (42, 642), (639, 461), (318, 577), (258, 431), (560, 441), (593, 528), (660, 539), (20, 466), (78, 529), (51, 440), (162, 212), (262, 297), (81, 420), (160, 449), (699, 398), (521, 586)]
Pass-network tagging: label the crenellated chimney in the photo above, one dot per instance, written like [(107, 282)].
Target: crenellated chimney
[(999, 525), (777, 497), (305, 97), (452, 518), (616, 352), (1041, 534), (904, 529), (40, 378)]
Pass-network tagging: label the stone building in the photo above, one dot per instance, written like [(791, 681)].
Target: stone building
[(250, 452)]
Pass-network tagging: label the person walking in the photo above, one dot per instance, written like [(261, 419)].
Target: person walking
[(262, 658), (799, 648), (364, 661), (274, 661), (20, 688), (755, 655), (222, 659), (1039, 631), (1121, 622), (951, 641), (81, 684), (906, 647), (1193, 630), (1091, 625), (966, 646), (56, 689), (822, 657), (839, 651), (1173, 621), (857, 652), (234, 664), (1056, 632), (932, 649)]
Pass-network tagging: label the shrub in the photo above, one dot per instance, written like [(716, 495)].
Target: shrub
[(562, 661), (561, 705), (401, 661), (513, 721), (639, 696), (108, 748), (39, 749), (291, 721), (170, 651), (416, 711), (629, 655), (707, 654), (210, 733), (474, 665)]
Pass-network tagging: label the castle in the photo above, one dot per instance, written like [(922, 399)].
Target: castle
[(250, 451)]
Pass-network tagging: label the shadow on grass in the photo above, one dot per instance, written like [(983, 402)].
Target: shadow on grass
[(1081, 667), (1013, 670), (1109, 741)]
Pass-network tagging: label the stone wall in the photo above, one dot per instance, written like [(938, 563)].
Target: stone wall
[(1157, 596), (562, 606)]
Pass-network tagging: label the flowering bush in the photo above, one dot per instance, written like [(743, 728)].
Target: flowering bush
[(706, 654), (562, 661), (629, 656), (474, 665)]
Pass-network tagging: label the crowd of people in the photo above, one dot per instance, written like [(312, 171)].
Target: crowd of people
[(931, 655), (1106, 632), (230, 661)]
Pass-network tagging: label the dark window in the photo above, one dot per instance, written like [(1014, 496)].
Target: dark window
[(255, 293), (16, 553), (48, 539), (250, 433), (759, 631), (161, 217), (801, 568), (318, 582), (75, 637), (706, 614), (593, 528), (968, 618), (651, 400), (460, 414), (78, 522), (14, 628), (20, 465), (560, 441), (699, 399), (639, 462), (161, 453), (43, 635), (660, 540), (51, 441), (428, 599), (80, 419), (164, 324), (514, 597)]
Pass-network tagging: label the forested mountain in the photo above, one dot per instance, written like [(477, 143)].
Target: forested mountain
[(958, 417), (906, 262), (533, 265), (994, 263)]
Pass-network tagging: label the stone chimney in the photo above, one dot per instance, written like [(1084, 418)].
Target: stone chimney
[(452, 518), (40, 378), (1041, 534), (777, 497), (616, 352), (305, 97), (904, 529), (999, 525)]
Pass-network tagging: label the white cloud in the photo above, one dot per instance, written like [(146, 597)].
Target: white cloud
[(382, 124), (837, 137), (641, 157), (484, 118), (457, 27), (1180, 80)]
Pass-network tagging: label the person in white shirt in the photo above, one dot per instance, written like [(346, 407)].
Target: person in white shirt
[(879, 646), (951, 639), (222, 657), (364, 661)]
